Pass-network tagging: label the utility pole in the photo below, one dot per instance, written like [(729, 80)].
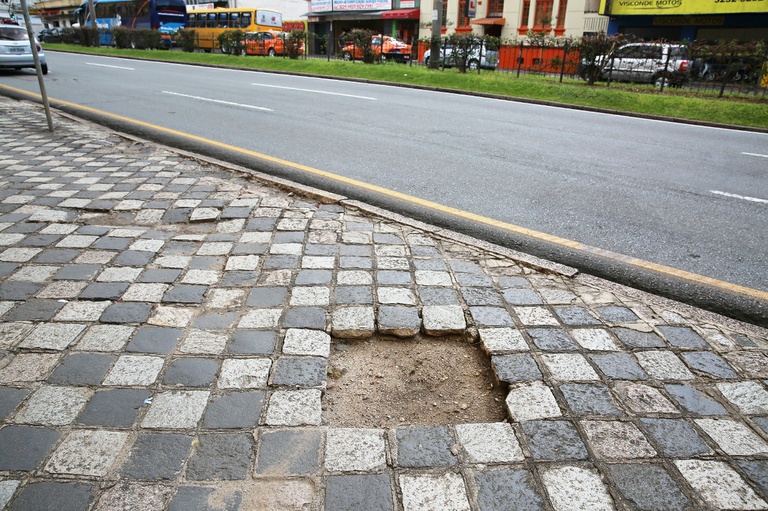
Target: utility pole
[(33, 45), (437, 25)]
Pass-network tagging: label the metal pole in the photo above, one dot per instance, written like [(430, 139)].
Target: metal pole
[(434, 43), (38, 69)]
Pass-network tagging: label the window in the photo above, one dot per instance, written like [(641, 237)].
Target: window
[(496, 8), (223, 20), (526, 13), (245, 20), (543, 13)]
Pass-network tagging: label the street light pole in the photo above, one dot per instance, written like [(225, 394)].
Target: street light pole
[(36, 58)]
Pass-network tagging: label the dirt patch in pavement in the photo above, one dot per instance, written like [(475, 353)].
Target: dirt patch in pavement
[(385, 383)]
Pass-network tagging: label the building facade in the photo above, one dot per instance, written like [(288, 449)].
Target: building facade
[(679, 20)]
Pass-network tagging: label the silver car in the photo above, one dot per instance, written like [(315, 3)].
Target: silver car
[(479, 56), (15, 51)]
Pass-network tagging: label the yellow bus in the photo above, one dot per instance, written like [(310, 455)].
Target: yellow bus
[(209, 23)]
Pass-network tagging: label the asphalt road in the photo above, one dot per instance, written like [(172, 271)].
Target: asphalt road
[(688, 197)]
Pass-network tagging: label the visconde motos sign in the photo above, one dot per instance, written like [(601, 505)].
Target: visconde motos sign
[(682, 7)]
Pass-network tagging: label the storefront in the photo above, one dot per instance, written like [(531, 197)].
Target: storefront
[(332, 18), (678, 20)]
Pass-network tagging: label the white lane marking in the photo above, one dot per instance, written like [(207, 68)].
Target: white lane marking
[(315, 91), (756, 154), (107, 65), (736, 196), (218, 101)]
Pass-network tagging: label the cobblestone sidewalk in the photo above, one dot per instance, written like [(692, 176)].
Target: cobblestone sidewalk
[(166, 328)]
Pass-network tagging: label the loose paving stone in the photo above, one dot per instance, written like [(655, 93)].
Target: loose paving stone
[(355, 450), (398, 321), (434, 493), (54, 495), (372, 492), (730, 491), (648, 487), (289, 452), (24, 447), (305, 317), (491, 316), (499, 490), (676, 438), (89, 453), (157, 456), (489, 443), (352, 322), (576, 488), (220, 457), (424, 446), (554, 441), (443, 319)]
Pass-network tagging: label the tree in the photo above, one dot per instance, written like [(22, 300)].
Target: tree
[(595, 53)]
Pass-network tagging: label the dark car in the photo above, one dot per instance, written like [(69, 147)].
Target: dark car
[(50, 35)]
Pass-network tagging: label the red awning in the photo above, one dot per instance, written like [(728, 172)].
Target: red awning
[(488, 21), (399, 14)]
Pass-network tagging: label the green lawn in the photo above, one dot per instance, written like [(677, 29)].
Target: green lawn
[(700, 106)]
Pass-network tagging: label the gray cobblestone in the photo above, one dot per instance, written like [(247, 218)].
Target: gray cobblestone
[(162, 358)]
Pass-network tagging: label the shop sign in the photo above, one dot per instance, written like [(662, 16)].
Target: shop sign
[(407, 4), (685, 7), (361, 5), (320, 6), (701, 21)]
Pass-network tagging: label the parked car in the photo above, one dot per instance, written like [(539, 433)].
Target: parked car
[(656, 63), (15, 51), (50, 35), (388, 47), (479, 57), (270, 42)]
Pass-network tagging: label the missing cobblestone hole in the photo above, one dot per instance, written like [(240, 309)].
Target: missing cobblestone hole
[(384, 383)]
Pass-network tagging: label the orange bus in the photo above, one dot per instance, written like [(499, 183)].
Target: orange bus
[(209, 23)]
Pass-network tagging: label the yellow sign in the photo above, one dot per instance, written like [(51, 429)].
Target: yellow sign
[(682, 7)]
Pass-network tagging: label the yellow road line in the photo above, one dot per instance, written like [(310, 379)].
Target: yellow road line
[(574, 245)]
